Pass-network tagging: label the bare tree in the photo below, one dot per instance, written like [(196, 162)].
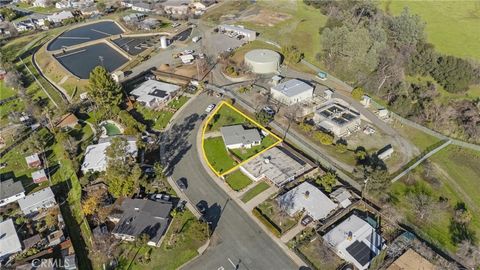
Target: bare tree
[(469, 253), (423, 204)]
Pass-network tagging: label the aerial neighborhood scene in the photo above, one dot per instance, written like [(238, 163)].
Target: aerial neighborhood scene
[(240, 134)]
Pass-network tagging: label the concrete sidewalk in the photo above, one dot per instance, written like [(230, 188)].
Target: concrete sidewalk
[(260, 198), (233, 195)]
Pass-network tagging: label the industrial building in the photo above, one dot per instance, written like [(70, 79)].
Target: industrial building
[(292, 92), (355, 241), (239, 30), (262, 61), (277, 165), (337, 117)]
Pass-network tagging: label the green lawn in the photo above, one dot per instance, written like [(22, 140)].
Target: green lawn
[(6, 92), (50, 9), (237, 180), (419, 138), (225, 116), (254, 191), (246, 153), (184, 236), (217, 154), (452, 26), (177, 103)]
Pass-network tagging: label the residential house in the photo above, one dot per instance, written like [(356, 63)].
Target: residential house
[(39, 176), (237, 136), (176, 7), (306, 197), (133, 17), (137, 216), (411, 260), (150, 24), (33, 161), (67, 121), (292, 92), (95, 155), (63, 4), (37, 201), (23, 26), (89, 11), (142, 7), (4, 31), (9, 241), (154, 94), (40, 3), (32, 241), (60, 16), (355, 241), (10, 191), (277, 165)]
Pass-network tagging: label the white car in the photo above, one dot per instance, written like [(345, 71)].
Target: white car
[(188, 52), (210, 108)]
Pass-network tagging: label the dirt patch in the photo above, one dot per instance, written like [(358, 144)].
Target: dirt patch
[(266, 17)]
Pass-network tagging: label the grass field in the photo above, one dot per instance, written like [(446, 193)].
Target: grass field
[(225, 116), (178, 103), (237, 180), (458, 177), (254, 191), (452, 26), (244, 154), (217, 154), (420, 139)]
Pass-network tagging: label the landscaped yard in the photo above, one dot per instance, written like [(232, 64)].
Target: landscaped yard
[(450, 25), (318, 254), (273, 212), (225, 116), (179, 102), (245, 153), (254, 191), (237, 180), (159, 119), (184, 236), (217, 154)]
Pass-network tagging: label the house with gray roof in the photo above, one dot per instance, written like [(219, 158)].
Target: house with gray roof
[(136, 217), (37, 201), (9, 242), (10, 191), (153, 93), (239, 137), (292, 92)]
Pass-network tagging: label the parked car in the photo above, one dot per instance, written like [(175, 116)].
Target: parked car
[(202, 207), (188, 52), (306, 220), (210, 108), (196, 39), (181, 206), (160, 197), (174, 25), (269, 110), (230, 50), (182, 183)]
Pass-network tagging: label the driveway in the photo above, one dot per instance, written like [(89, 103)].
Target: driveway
[(237, 241)]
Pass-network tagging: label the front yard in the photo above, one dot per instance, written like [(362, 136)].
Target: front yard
[(319, 255), (158, 120), (217, 154), (274, 214), (254, 191), (237, 180), (226, 116)]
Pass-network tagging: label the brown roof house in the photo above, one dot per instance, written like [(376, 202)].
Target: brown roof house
[(33, 161), (68, 121)]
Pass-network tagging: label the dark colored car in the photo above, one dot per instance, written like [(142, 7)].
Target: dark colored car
[(306, 220), (182, 183), (202, 207)]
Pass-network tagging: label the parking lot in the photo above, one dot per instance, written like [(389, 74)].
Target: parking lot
[(80, 62), (84, 34), (219, 42), (134, 46)]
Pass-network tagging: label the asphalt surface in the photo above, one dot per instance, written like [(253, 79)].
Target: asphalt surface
[(237, 242)]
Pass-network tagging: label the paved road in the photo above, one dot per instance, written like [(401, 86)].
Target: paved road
[(237, 241)]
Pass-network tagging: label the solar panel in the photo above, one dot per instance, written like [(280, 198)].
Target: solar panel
[(361, 252)]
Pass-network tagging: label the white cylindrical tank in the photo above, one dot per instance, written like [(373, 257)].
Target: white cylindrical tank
[(263, 61), (163, 42)]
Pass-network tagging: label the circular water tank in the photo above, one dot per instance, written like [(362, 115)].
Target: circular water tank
[(163, 42), (262, 61)]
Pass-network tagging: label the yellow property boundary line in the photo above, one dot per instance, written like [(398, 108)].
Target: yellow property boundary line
[(279, 140)]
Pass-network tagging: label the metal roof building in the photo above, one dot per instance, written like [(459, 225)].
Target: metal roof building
[(250, 35), (34, 202), (292, 91)]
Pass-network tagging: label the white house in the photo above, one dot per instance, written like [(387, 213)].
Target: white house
[(306, 197), (237, 136), (385, 152), (142, 7), (60, 16), (40, 3), (95, 155), (355, 241), (10, 191), (9, 242), (39, 200), (292, 92), (176, 7), (153, 93)]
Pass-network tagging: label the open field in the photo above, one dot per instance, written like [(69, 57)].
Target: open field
[(420, 139), (237, 180), (254, 191), (452, 26)]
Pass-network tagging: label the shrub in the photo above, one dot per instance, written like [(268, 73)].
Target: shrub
[(266, 221), (323, 138), (358, 93)]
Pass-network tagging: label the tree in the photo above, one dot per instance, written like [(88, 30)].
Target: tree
[(142, 240), (51, 219), (422, 202), (101, 6), (263, 117), (358, 93), (406, 30), (292, 54), (323, 138), (340, 147), (306, 127), (105, 92), (13, 79), (327, 181), (244, 89)]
